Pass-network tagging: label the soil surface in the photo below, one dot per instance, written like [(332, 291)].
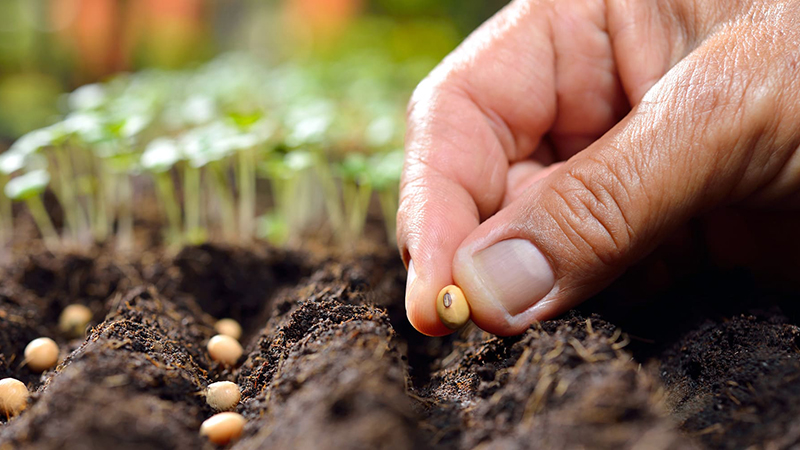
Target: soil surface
[(331, 362)]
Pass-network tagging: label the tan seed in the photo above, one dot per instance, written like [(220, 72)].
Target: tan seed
[(223, 395), (74, 319), (224, 349), (41, 354), (228, 327), (452, 307), (13, 397), (223, 427)]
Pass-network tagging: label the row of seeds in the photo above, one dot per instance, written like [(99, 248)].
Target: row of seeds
[(41, 354)]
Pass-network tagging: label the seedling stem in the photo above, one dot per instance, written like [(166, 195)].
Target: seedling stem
[(191, 199), (336, 215), (103, 220), (247, 193), (388, 200), (43, 221), (166, 192), (125, 216), (356, 203), (6, 214), (66, 193), (222, 190)]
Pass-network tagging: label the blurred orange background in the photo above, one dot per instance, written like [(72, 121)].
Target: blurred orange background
[(48, 47)]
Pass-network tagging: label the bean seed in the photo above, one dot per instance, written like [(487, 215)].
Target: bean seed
[(41, 354), (224, 349), (228, 327), (452, 307), (74, 319), (223, 427), (13, 397), (223, 395)]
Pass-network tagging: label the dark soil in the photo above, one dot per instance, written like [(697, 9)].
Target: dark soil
[(331, 362)]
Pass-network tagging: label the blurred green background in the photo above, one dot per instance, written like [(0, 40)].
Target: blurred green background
[(48, 47)]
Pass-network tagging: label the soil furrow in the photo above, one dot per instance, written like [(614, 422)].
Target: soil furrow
[(331, 362), (135, 382)]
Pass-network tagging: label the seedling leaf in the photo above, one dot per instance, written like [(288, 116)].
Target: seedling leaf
[(32, 142), (160, 155), (385, 169), (88, 97), (28, 185), (354, 168), (11, 162)]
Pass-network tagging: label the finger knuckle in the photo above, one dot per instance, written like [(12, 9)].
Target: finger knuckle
[(589, 208), (431, 93)]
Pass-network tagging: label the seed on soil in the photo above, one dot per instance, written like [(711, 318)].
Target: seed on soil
[(228, 327), (13, 396), (224, 349), (452, 307), (223, 427), (74, 319), (41, 354), (223, 395)]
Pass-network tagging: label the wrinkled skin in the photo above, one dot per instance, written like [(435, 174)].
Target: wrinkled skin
[(595, 131)]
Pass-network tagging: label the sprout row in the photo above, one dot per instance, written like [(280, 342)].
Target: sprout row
[(232, 149)]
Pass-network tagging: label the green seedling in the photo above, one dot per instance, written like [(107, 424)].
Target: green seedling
[(118, 161), (273, 228), (192, 192), (16, 158), (29, 188), (88, 97), (87, 135), (385, 170), (318, 133), (308, 124), (10, 162), (6, 214), (159, 158), (253, 131), (381, 132), (100, 154), (64, 175), (292, 178), (119, 155), (32, 142), (356, 193), (194, 233), (207, 150)]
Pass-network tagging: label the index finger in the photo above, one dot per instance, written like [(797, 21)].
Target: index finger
[(488, 103), (536, 67)]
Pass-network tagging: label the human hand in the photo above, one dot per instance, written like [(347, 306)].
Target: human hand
[(565, 140)]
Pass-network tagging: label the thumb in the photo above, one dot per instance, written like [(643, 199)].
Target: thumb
[(571, 233)]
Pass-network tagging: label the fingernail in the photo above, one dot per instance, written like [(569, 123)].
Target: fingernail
[(515, 272), (410, 278)]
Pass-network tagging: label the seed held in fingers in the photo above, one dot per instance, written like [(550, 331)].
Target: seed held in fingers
[(13, 396), (452, 307), (228, 327), (74, 319), (41, 354), (223, 395), (223, 427), (224, 349)]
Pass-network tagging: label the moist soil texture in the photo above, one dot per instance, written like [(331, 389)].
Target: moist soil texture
[(330, 360)]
